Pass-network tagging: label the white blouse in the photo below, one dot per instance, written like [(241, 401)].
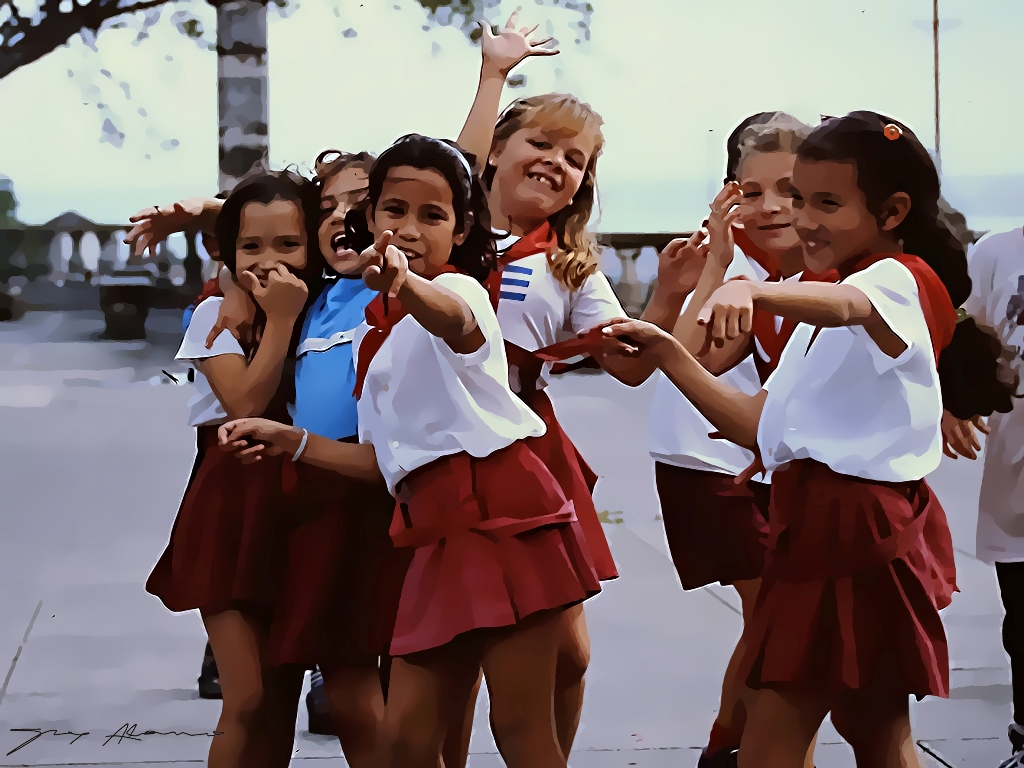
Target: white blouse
[(843, 402), (996, 264), (421, 400), (677, 433), (205, 409), (536, 311)]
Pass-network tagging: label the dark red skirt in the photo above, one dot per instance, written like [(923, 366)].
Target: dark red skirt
[(277, 540), (855, 576), (716, 530), (576, 479), (495, 540)]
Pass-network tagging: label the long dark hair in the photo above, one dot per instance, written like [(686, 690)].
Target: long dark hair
[(476, 256), (264, 188), (889, 158)]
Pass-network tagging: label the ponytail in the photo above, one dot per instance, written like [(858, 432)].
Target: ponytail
[(974, 374)]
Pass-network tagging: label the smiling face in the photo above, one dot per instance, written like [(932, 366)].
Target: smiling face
[(268, 236), (416, 204), (341, 193), (539, 169), (766, 208), (832, 219)]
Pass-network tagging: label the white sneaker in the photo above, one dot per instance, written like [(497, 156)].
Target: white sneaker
[(1017, 761)]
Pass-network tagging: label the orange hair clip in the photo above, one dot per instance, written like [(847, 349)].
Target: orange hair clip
[(892, 131)]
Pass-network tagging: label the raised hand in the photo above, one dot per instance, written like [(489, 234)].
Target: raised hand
[(283, 295), (724, 216), (681, 263), (728, 314), (386, 268), (510, 46), (154, 225)]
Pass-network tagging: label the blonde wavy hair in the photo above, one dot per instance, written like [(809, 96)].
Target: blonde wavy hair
[(578, 254)]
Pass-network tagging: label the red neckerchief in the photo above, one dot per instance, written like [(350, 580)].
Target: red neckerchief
[(381, 320), (939, 312), (541, 240), (211, 288)]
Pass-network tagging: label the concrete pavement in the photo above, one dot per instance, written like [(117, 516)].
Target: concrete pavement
[(95, 453)]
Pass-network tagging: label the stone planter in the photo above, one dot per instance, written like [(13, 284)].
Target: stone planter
[(125, 303)]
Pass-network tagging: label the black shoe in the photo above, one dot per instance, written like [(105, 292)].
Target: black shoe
[(723, 758), (316, 705), (209, 677)]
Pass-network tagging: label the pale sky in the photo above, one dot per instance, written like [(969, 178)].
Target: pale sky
[(670, 77)]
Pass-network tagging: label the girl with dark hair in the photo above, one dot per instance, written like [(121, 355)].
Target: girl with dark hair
[(497, 552), (717, 528), (860, 557), (227, 555)]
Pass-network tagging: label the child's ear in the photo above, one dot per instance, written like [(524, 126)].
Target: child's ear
[(460, 238), (895, 210)]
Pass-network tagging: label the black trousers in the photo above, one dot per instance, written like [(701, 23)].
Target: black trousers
[(1011, 589)]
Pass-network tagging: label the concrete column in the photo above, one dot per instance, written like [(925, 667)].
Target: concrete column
[(242, 89)]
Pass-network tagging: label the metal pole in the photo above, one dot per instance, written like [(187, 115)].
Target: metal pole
[(935, 36)]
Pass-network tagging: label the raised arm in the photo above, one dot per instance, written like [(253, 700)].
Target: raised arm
[(729, 312), (499, 55), (152, 226), (355, 460)]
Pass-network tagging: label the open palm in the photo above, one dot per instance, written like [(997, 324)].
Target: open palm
[(512, 45)]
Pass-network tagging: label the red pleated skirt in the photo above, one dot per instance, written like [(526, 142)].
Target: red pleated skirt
[(279, 541), (717, 531), (575, 477), (854, 579), (494, 540)]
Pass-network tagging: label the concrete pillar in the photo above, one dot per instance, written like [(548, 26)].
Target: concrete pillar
[(242, 89)]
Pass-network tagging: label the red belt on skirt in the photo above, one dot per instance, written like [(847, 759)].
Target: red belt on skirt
[(855, 575), (494, 540)]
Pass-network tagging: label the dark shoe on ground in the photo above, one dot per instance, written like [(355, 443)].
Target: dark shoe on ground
[(209, 677), (316, 705)]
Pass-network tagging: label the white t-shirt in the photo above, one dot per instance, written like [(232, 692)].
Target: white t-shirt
[(997, 300), (421, 400), (205, 408), (845, 403), (678, 433), (536, 311)]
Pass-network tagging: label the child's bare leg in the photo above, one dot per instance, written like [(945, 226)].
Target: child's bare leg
[(570, 681), (519, 666), (237, 641), (737, 698), (456, 743), (877, 726), (780, 727), (353, 689), (427, 692)]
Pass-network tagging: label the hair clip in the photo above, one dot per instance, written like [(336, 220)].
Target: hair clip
[(961, 315), (892, 131)]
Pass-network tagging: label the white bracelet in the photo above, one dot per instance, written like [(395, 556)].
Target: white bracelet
[(302, 446)]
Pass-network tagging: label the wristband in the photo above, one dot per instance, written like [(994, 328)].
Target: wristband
[(302, 445)]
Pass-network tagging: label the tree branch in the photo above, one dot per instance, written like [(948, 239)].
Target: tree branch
[(22, 43)]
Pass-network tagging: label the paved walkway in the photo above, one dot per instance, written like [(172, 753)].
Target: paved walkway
[(95, 455)]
